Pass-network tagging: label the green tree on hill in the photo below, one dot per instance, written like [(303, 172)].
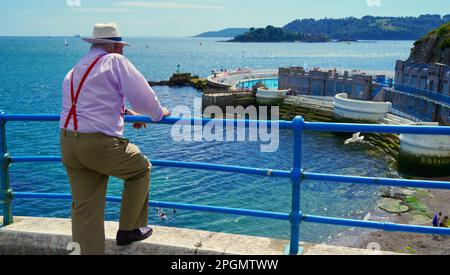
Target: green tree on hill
[(370, 27)]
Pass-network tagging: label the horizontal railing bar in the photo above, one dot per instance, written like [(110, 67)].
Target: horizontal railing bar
[(32, 118), (263, 214), (223, 168), (378, 181), (393, 227), (274, 173), (377, 128), (40, 159), (178, 206), (312, 126), (179, 164), (282, 124)]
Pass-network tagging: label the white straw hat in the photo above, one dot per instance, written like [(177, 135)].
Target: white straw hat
[(106, 33)]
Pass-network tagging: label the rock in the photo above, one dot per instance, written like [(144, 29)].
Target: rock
[(398, 193), (433, 48), (420, 220), (392, 206), (180, 79)]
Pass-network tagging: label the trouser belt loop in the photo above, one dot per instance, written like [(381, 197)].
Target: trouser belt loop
[(65, 132)]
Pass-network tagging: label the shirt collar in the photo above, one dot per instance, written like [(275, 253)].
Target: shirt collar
[(98, 51)]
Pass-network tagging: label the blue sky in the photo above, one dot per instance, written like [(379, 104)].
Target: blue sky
[(188, 17)]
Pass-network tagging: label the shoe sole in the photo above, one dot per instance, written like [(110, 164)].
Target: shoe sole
[(146, 236)]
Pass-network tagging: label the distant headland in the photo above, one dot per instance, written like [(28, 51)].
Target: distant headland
[(230, 32), (365, 28), (273, 34)]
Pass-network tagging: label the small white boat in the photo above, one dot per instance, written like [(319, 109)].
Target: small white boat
[(66, 43)]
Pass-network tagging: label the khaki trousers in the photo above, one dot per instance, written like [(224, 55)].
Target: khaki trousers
[(90, 159)]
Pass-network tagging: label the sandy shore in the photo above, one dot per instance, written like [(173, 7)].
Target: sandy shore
[(426, 203)]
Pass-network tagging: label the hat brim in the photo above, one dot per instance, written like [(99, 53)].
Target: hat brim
[(104, 41)]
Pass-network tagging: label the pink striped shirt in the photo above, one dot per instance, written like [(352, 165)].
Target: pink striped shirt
[(101, 105)]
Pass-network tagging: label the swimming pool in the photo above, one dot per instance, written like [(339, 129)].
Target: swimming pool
[(270, 83)]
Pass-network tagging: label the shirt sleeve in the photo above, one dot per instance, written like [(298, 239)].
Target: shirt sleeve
[(135, 88), (66, 99)]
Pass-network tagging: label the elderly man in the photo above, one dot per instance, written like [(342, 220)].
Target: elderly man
[(92, 124)]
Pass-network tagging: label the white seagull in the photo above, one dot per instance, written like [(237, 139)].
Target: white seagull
[(356, 138)]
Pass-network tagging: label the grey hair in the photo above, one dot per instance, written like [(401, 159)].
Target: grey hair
[(105, 46)]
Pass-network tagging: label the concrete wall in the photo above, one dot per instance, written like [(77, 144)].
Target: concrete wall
[(267, 97), (424, 155), (320, 83), (345, 108), (269, 94), (416, 107), (427, 145), (223, 100), (421, 91)]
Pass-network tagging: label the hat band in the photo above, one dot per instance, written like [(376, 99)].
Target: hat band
[(118, 39)]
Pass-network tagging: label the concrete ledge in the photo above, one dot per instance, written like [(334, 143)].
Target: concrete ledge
[(360, 109), (44, 236), (427, 145)]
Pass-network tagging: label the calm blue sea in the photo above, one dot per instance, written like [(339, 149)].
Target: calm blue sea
[(31, 71)]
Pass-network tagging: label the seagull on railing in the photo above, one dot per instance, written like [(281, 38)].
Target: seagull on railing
[(357, 138)]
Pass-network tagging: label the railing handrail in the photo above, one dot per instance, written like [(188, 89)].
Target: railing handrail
[(296, 174), (434, 95), (282, 124)]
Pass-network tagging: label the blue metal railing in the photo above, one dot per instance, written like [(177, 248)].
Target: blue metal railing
[(296, 174), (439, 97), (385, 81)]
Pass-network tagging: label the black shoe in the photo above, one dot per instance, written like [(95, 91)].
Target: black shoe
[(128, 237)]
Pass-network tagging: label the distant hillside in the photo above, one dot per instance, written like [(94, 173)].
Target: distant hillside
[(273, 34), (370, 27), (231, 32), (434, 47)]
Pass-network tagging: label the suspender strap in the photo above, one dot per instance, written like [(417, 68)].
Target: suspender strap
[(74, 96)]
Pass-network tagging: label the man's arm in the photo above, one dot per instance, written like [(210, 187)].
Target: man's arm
[(135, 88), (140, 125)]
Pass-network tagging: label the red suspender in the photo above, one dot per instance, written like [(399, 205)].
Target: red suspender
[(73, 109)]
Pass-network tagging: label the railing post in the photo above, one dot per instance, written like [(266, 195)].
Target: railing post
[(5, 189), (297, 173)]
